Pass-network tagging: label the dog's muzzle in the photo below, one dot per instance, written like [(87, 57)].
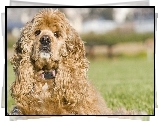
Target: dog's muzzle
[(45, 43), (45, 46)]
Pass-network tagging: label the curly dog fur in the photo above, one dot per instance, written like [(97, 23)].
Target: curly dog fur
[(49, 44)]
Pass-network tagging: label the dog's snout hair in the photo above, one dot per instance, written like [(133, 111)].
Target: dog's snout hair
[(45, 40)]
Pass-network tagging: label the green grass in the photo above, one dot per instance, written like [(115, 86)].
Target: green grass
[(10, 79), (125, 82)]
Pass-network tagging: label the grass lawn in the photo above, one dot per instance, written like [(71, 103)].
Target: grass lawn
[(126, 82), (10, 79)]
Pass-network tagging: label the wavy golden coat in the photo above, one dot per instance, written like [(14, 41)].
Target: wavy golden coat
[(68, 91)]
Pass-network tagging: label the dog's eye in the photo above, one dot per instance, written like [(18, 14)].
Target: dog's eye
[(37, 32), (56, 34)]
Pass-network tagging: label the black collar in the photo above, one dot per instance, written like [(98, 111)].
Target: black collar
[(48, 75)]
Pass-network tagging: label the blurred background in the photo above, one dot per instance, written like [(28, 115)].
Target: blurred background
[(108, 32), (120, 48)]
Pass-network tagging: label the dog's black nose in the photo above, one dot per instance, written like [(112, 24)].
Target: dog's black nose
[(45, 40)]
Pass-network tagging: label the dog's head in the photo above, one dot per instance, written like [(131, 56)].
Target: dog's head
[(48, 39)]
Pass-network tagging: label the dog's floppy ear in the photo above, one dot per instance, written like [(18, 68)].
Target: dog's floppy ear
[(17, 56), (74, 44), (22, 47), (18, 47)]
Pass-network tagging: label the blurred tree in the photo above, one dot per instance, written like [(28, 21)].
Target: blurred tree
[(140, 14), (102, 13), (129, 17)]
